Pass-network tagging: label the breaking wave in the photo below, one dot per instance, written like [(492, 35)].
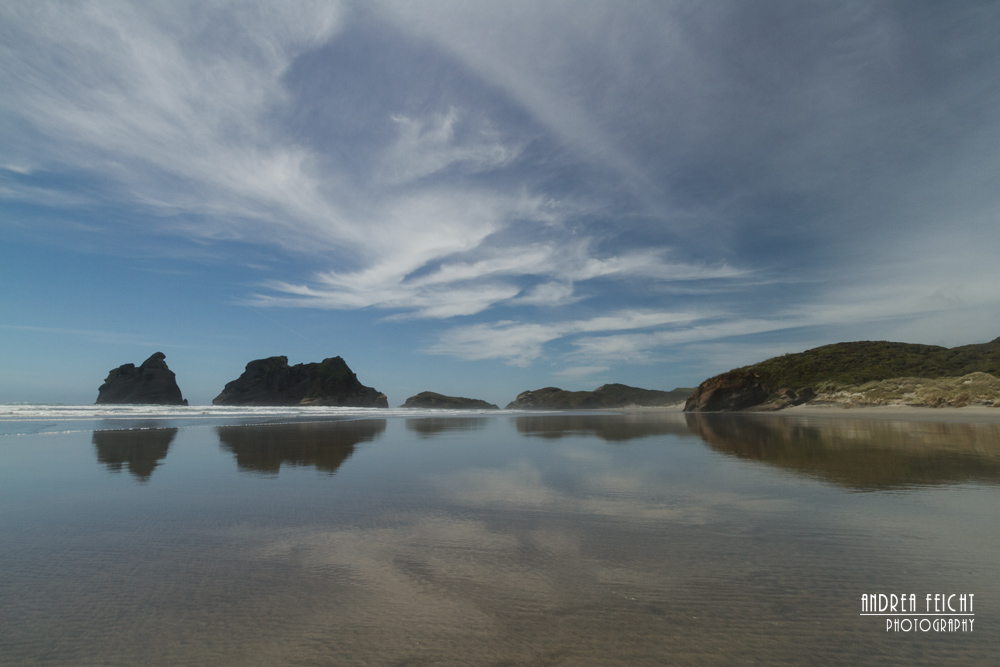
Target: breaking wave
[(26, 418)]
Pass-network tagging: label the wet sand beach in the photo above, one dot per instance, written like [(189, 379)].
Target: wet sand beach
[(644, 538)]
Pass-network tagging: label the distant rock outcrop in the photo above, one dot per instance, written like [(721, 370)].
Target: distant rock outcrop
[(272, 381), (605, 396), (429, 399), (152, 383)]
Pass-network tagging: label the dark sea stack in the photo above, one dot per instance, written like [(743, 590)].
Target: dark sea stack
[(430, 399), (152, 383), (273, 382), (732, 391)]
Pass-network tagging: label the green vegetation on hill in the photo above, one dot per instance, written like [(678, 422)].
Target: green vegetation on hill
[(851, 373), (605, 396), (430, 399), (867, 361)]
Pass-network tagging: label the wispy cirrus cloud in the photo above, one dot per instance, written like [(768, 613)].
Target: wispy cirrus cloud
[(578, 373), (168, 106), (426, 146), (174, 112), (864, 307), (470, 282), (519, 344)]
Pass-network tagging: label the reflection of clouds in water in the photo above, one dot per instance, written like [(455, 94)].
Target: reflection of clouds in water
[(518, 485), (426, 427), (586, 455), (492, 582), (615, 494), (593, 550), (954, 525), (593, 585), (620, 427), (430, 577)]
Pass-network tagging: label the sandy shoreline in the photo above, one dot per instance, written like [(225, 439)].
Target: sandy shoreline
[(969, 414)]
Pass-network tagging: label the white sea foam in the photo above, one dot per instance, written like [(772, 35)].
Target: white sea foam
[(25, 418)]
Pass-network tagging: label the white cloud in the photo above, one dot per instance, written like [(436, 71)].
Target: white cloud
[(400, 280), (871, 310), (636, 348), (171, 108), (170, 105), (580, 372), (549, 294), (532, 52), (520, 344), (425, 147), (179, 108)]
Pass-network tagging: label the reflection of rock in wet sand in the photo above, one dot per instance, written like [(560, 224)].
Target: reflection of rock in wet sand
[(325, 445), (429, 426), (142, 450), (612, 428), (861, 454)]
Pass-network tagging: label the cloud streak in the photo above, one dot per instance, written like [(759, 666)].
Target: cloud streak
[(491, 276), (169, 107), (519, 344)]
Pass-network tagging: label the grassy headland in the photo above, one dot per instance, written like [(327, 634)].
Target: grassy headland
[(860, 373)]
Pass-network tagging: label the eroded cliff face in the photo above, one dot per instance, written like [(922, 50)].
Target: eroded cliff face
[(152, 383), (273, 382), (735, 390)]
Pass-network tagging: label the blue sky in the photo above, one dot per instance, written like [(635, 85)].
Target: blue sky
[(482, 198)]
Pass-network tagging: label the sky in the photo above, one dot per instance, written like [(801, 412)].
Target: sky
[(484, 198)]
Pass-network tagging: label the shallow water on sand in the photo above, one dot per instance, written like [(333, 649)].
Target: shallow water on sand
[(624, 539)]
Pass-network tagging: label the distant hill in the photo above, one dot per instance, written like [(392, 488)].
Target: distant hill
[(605, 396), (795, 378), (430, 399)]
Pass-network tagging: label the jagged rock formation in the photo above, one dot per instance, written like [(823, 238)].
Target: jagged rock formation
[(429, 399), (273, 382), (835, 369), (605, 396), (152, 383)]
